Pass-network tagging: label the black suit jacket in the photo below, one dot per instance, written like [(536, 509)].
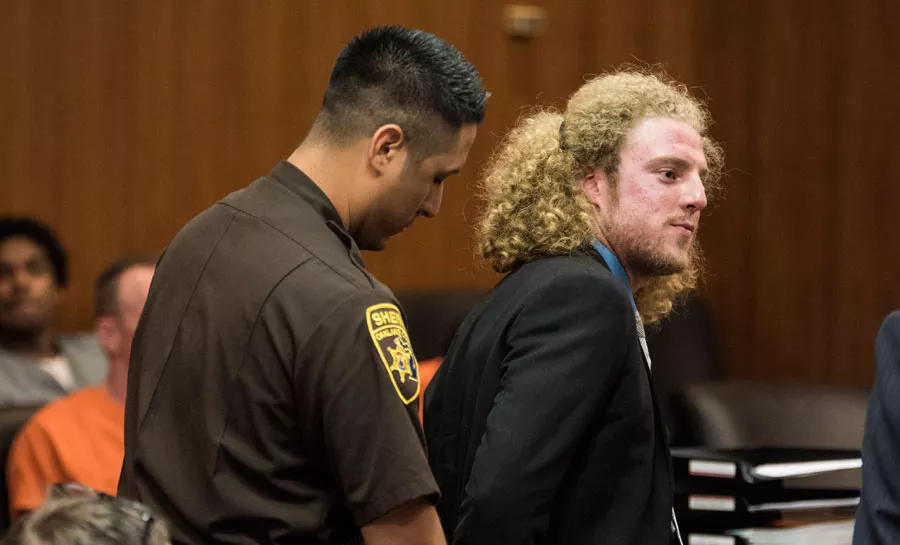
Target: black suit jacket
[(878, 515), (542, 425)]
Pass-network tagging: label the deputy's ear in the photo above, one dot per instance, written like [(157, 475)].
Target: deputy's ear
[(385, 146)]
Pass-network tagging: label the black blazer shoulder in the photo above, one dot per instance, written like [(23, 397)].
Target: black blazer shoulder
[(582, 278)]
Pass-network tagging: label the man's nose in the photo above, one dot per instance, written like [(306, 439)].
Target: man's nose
[(694, 196), (432, 203), (21, 279)]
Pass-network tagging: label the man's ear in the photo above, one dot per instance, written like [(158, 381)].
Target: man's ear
[(595, 185), (107, 333), (385, 146)]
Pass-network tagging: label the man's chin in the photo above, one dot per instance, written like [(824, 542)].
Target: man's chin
[(21, 326), (372, 245), (663, 269), (660, 265)]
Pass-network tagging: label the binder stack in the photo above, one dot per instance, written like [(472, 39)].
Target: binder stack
[(766, 495)]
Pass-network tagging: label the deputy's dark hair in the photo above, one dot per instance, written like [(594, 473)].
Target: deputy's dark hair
[(399, 75), (41, 235)]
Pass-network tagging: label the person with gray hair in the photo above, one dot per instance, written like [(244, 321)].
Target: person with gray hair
[(76, 515)]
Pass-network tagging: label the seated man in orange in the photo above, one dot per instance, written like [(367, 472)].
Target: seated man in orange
[(79, 438)]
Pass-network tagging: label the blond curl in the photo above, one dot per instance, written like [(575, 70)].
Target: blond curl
[(534, 204)]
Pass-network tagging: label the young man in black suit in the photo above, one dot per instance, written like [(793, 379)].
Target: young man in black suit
[(542, 423)]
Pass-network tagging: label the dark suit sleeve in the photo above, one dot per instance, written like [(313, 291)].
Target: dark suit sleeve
[(878, 516), (567, 349)]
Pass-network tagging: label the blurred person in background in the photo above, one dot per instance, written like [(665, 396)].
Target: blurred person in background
[(273, 391), (38, 365), (878, 514), (542, 422), (77, 515), (79, 438)]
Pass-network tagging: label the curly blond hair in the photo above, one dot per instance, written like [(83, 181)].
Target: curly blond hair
[(535, 207)]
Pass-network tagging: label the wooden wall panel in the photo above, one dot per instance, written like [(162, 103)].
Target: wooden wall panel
[(800, 251), (730, 79), (119, 121), (865, 263), (793, 198)]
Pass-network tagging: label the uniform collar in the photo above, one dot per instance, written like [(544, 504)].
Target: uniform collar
[(294, 179), (303, 186)]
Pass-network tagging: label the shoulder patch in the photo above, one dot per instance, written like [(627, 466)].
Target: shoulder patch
[(392, 344)]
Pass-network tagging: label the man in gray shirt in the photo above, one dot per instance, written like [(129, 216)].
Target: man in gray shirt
[(36, 364)]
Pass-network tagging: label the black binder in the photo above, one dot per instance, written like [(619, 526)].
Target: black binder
[(717, 491), (754, 465), (700, 538)]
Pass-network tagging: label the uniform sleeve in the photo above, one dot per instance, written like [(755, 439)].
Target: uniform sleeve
[(366, 395), (567, 349), (32, 466), (878, 516)]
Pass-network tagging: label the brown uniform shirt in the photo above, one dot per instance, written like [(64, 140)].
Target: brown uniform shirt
[(272, 394)]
